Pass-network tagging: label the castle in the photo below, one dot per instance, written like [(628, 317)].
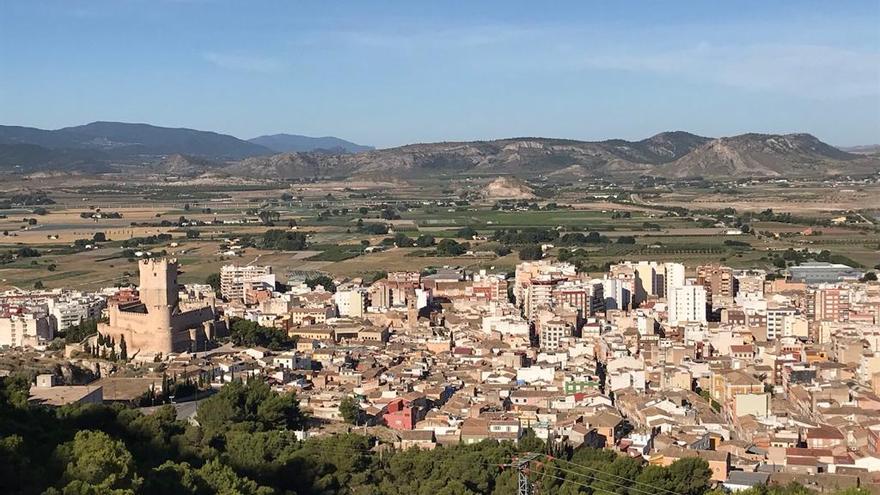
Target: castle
[(154, 324)]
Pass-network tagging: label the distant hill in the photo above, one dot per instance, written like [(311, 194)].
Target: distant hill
[(27, 158), (100, 145), (119, 140), (764, 155), (867, 149), (185, 165), (288, 143), (515, 156)]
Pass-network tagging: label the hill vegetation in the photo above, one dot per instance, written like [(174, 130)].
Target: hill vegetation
[(245, 442)]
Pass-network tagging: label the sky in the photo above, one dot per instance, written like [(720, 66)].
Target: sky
[(387, 73)]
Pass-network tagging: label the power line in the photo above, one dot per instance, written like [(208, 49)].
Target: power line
[(622, 478), (613, 483)]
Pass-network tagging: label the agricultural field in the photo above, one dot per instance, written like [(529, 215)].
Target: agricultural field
[(88, 233)]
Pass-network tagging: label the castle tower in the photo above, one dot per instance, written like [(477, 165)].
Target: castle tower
[(158, 283)]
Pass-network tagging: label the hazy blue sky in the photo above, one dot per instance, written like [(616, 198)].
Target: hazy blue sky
[(388, 73)]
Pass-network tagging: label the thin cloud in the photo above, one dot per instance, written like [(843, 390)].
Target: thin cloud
[(245, 63), (811, 71)]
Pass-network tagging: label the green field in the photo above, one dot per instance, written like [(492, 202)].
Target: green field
[(329, 215)]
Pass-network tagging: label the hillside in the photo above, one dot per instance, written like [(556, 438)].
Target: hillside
[(178, 164), (517, 156), (509, 188), (867, 149), (672, 154), (287, 143), (764, 155), (97, 146), (121, 141), (27, 158)]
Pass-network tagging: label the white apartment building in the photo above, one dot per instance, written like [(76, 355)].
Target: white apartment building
[(776, 321), (73, 310), (673, 277), (687, 304), (618, 293), (235, 279)]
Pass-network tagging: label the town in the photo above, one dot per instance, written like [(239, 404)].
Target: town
[(768, 379), (439, 248)]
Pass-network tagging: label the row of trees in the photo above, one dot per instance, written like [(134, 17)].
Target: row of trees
[(283, 240)]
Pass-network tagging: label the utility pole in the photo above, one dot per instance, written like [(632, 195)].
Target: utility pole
[(521, 464)]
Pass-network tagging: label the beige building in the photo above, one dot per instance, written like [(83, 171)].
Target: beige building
[(155, 324), (757, 405), (351, 302), (48, 392), (25, 330)]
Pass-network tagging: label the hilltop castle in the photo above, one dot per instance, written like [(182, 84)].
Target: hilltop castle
[(155, 324)]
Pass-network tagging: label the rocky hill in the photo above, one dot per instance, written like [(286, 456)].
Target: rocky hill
[(509, 188), (671, 154), (765, 155), (186, 165), (517, 156), (98, 146)]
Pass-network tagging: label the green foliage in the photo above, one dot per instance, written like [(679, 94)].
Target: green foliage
[(515, 237), (466, 233), (350, 410), (144, 241), (249, 333), (322, 280), (76, 333), (15, 390), (283, 240), (254, 406), (402, 240), (374, 228), (424, 240), (580, 239), (27, 252), (214, 281), (123, 349), (531, 252), (451, 247), (96, 463), (245, 443)]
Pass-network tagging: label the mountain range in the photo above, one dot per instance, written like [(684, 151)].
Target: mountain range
[(102, 146), (294, 143)]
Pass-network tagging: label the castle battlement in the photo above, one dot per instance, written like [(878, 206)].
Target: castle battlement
[(156, 325)]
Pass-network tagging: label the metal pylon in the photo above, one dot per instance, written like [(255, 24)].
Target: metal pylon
[(524, 487)]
